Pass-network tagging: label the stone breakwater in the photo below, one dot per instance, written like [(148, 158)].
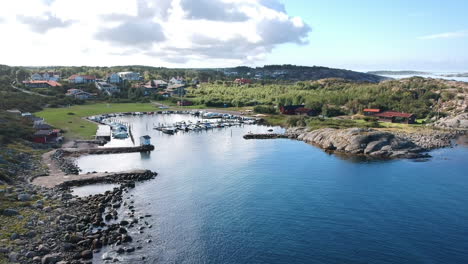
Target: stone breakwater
[(71, 229), (360, 141), (99, 151), (433, 139), (60, 157)]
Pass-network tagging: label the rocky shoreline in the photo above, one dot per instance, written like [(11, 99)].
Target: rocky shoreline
[(69, 229), (375, 143)]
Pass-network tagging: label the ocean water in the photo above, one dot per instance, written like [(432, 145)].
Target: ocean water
[(221, 199), (435, 75)]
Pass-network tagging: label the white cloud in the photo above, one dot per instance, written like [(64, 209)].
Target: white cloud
[(200, 33), (42, 24), (447, 35)]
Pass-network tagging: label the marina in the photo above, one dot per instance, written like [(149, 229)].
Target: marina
[(205, 121)]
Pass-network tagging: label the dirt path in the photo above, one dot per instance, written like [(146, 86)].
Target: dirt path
[(57, 176), (28, 92)]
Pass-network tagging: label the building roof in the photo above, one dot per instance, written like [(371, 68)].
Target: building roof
[(372, 110), (86, 77), (394, 114), (43, 127), (43, 133), (51, 83), (242, 80), (303, 110)]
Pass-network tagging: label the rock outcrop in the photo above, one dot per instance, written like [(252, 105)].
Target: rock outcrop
[(362, 141), (455, 122)]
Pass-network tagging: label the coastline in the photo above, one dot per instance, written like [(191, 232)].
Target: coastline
[(376, 143), (71, 238)]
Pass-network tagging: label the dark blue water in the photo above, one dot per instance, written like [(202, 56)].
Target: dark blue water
[(222, 199)]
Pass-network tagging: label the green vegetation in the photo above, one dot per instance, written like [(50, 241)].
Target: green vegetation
[(330, 97), (71, 120)]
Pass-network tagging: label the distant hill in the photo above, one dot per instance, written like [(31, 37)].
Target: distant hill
[(398, 72), (456, 75), (300, 73)]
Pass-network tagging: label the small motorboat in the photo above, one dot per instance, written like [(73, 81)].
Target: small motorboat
[(169, 130)]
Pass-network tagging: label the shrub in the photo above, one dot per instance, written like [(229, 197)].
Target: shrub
[(262, 109)]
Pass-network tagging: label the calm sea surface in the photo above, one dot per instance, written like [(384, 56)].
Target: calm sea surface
[(222, 199)]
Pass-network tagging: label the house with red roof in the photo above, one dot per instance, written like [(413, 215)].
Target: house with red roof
[(75, 78), (242, 81), (41, 84), (396, 117), (371, 111)]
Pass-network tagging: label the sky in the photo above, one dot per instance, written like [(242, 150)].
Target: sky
[(430, 35)]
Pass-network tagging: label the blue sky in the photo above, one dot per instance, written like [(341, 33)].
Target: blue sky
[(368, 35), (360, 34)]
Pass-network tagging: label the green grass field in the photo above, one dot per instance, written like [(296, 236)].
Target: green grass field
[(72, 122)]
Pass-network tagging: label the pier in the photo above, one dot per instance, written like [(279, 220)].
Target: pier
[(97, 151), (268, 136)]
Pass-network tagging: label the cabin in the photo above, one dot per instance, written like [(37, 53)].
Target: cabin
[(47, 136), (305, 111), (297, 110), (184, 103), (242, 81), (371, 111), (396, 117), (145, 141), (41, 84)]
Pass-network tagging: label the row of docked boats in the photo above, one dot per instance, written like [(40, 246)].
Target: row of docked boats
[(200, 125)]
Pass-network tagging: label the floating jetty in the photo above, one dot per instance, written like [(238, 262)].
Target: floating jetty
[(268, 136)]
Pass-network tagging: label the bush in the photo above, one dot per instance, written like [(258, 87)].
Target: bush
[(263, 109), (370, 118)]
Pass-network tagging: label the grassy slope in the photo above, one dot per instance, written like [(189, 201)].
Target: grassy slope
[(76, 127)]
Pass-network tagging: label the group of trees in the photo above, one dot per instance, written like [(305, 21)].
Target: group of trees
[(330, 97)]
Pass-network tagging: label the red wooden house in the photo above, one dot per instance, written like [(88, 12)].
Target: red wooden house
[(396, 117)]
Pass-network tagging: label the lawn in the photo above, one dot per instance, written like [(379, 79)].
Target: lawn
[(71, 120)]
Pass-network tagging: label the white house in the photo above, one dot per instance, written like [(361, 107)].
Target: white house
[(107, 88), (75, 78), (177, 81), (45, 76), (113, 78), (79, 94), (129, 76)]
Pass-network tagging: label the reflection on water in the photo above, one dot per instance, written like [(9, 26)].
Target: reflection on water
[(93, 189), (221, 199)]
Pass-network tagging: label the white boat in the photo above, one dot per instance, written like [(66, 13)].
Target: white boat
[(168, 130)]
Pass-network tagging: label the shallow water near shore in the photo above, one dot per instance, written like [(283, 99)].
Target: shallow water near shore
[(221, 199)]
